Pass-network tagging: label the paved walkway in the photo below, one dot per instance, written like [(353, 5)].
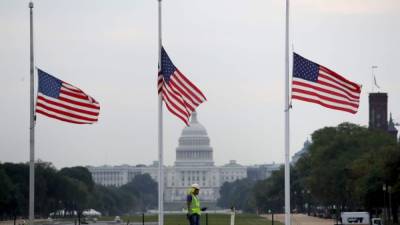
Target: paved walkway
[(301, 219), (20, 221)]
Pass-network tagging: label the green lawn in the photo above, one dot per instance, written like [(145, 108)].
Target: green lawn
[(213, 219)]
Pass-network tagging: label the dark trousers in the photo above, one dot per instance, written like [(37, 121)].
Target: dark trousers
[(194, 219)]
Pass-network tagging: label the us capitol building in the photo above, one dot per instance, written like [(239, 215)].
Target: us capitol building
[(194, 164)]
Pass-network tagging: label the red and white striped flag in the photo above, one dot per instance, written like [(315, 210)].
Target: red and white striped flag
[(180, 95), (62, 101), (318, 84)]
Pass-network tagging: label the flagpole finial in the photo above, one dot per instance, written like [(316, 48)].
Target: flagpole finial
[(31, 5)]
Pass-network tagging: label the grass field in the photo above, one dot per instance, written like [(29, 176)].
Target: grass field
[(213, 219)]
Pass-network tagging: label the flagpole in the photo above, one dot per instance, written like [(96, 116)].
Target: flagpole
[(160, 132), (374, 83), (287, 124), (31, 128)]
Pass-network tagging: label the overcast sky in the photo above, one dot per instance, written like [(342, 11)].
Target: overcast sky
[(232, 50)]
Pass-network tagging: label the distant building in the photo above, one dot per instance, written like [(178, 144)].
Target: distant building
[(300, 153), (263, 171), (120, 175), (378, 111), (392, 127), (193, 164)]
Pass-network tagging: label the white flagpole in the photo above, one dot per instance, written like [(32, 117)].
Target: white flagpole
[(287, 125), (160, 132), (31, 128)]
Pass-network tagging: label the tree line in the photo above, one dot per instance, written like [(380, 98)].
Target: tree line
[(346, 168), (69, 189)]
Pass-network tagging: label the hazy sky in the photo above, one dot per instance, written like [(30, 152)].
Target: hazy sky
[(232, 50)]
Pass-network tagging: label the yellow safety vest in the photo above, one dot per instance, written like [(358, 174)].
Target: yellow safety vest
[(195, 205)]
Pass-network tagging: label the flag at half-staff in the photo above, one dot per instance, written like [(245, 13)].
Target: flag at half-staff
[(180, 95), (60, 100), (317, 84)]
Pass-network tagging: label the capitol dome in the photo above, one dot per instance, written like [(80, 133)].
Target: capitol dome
[(195, 128), (194, 145)]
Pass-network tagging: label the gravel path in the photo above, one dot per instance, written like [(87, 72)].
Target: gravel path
[(301, 219)]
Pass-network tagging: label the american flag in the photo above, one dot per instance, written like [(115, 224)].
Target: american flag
[(318, 84), (180, 95), (62, 101)]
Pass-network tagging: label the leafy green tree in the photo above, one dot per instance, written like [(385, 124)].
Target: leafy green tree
[(70, 189), (45, 173), (269, 193), (333, 153), (345, 168), (237, 194), (19, 176), (79, 173), (392, 172), (144, 190), (374, 170), (6, 190)]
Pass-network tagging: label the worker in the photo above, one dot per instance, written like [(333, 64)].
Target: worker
[(193, 205)]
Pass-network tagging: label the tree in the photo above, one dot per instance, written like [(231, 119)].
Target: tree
[(45, 174), (19, 176), (392, 172), (237, 194), (79, 173), (346, 167), (144, 190), (269, 193), (6, 188), (70, 189)]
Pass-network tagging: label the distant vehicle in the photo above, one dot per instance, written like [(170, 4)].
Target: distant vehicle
[(376, 221), (84, 220), (359, 218), (87, 220), (117, 219)]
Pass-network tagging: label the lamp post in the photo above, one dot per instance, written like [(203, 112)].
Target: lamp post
[(390, 203), (384, 203), (308, 202), (295, 201), (272, 216), (60, 208), (305, 201), (302, 200)]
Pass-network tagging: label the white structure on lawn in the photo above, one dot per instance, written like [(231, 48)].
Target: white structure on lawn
[(194, 164)]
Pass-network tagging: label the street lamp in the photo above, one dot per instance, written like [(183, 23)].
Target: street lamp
[(60, 209), (295, 201), (272, 216), (303, 196), (308, 202), (384, 203), (390, 202)]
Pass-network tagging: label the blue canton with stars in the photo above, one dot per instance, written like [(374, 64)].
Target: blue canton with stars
[(167, 67), (49, 85), (304, 68)]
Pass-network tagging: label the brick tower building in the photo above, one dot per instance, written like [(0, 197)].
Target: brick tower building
[(378, 111)]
